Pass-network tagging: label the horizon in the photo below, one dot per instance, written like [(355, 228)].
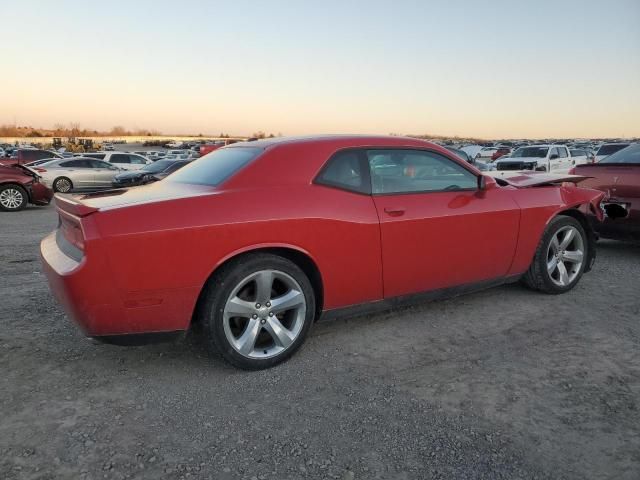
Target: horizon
[(414, 68)]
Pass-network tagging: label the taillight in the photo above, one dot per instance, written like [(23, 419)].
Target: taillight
[(40, 169), (72, 230)]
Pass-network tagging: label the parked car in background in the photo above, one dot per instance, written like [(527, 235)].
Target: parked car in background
[(21, 156), (149, 173), (607, 149), (341, 211), (618, 175), (78, 173), (544, 158), (108, 147), (210, 147), (485, 153), (500, 152), (581, 156), (461, 154), (124, 160), (20, 186)]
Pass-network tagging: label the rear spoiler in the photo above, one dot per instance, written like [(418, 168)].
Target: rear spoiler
[(527, 180), (73, 205)]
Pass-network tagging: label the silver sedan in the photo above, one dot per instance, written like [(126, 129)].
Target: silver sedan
[(76, 173)]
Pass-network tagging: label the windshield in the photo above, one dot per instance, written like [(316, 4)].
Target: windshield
[(630, 155), (215, 167), (157, 167), (613, 148), (536, 152)]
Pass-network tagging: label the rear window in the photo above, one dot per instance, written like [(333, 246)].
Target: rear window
[(216, 167), (609, 149)]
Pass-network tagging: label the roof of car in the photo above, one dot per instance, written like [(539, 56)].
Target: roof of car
[(374, 140)]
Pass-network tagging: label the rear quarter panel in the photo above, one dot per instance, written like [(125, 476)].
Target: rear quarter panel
[(184, 241)]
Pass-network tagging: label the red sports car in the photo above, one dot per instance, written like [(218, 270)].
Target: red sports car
[(20, 186), (618, 175), (257, 240)]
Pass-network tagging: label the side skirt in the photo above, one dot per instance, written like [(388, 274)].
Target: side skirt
[(415, 298)]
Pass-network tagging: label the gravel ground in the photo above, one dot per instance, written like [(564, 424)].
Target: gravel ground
[(506, 383)]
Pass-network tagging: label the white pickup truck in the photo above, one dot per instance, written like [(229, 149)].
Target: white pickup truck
[(541, 158)]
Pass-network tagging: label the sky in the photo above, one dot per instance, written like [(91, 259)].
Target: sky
[(490, 69)]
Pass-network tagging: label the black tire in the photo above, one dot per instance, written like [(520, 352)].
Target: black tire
[(218, 290), (538, 276), (58, 181), (13, 198)]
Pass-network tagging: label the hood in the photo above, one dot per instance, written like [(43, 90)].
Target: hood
[(535, 179), (82, 205)]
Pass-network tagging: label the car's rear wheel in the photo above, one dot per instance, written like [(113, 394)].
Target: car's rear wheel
[(62, 185), (12, 198), (257, 310), (561, 257)]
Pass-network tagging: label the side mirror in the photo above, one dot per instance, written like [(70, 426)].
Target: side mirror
[(554, 156), (486, 182)]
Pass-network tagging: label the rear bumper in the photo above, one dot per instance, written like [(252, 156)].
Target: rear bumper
[(85, 288)]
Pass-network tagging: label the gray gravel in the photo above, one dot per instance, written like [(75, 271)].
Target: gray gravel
[(506, 383)]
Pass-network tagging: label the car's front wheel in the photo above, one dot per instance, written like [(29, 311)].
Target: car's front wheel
[(561, 257), (257, 310), (12, 198)]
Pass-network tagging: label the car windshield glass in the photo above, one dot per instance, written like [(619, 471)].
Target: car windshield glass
[(215, 167), (609, 149), (536, 152), (157, 167), (631, 155)]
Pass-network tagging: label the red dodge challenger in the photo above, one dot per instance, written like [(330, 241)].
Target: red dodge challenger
[(257, 240)]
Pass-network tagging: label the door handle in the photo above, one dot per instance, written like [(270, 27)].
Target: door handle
[(394, 212)]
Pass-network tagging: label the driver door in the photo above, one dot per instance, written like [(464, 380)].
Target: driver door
[(438, 229)]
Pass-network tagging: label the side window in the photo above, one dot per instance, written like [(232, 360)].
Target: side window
[(135, 159), (405, 171), (562, 151), (553, 151), (120, 158), (346, 170), (69, 164)]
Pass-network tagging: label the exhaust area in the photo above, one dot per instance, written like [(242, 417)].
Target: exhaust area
[(615, 210)]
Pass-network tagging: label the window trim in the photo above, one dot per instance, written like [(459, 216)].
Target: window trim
[(423, 192)]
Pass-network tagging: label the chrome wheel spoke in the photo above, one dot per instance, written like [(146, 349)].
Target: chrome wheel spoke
[(237, 307), (247, 341), (564, 275), (281, 336), (574, 256), (291, 299), (555, 245), (552, 264), (568, 238), (264, 284)]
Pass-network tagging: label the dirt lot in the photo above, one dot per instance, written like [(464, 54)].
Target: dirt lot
[(506, 383)]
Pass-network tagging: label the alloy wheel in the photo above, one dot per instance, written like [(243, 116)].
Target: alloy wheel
[(565, 255), (264, 314), (11, 198), (63, 185)]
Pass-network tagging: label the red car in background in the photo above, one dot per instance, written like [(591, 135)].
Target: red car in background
[(618, 175), (20, 186), (502, 151), (257, 240), (28, 155)]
